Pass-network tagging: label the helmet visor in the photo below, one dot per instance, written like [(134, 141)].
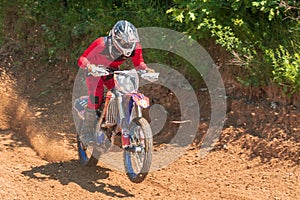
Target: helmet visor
[(125, 45)]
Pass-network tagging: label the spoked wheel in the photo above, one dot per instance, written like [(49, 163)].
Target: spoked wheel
[(88, 156), (137, 163)]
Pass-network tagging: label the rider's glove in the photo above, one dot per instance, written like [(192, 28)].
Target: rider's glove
[(147, 70), (150, 70), (143, 68), (89, 67), (97, 71)]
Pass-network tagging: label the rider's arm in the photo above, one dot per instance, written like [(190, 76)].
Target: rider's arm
[(94, 48), (137, 59), (83, 62)]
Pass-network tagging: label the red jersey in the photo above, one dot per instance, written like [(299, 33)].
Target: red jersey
[(97, 53)]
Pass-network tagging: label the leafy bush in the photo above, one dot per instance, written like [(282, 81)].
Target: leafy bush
[(70, 26), (286, 70), (262, 35)]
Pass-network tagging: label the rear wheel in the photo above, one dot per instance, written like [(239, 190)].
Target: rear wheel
[(88, 156), (137, 163)]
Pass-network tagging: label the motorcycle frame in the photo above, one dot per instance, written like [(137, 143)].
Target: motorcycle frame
[(132, 105)]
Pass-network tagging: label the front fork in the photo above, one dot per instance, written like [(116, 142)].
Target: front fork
[(123, 122), (124, 117)]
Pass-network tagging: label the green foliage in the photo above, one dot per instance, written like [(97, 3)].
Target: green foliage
[(66, 26), (69, 26), (262, 35), (223, 34), (286, 68)]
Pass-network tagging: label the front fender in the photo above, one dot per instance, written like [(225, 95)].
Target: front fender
[(141, 100)]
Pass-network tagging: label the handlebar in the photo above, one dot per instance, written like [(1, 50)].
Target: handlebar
[(101, 70), (150, 76)]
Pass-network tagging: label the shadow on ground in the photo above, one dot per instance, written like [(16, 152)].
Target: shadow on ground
[(88, 178)]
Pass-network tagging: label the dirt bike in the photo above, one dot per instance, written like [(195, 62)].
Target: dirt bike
[(121, 110)]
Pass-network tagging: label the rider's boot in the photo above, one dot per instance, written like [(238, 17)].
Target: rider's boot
[(88, 127)]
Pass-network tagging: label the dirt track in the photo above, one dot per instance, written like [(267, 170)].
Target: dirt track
[(220, 175), (257, 158)]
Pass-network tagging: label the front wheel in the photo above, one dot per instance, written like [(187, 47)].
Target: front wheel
[(137, 163)]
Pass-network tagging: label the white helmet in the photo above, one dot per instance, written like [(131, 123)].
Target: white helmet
[(124, 37)]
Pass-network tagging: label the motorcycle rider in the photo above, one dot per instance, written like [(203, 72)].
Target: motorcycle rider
[(112, 50)]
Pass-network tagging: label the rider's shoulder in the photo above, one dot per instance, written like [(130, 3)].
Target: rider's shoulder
[(100, 41)]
